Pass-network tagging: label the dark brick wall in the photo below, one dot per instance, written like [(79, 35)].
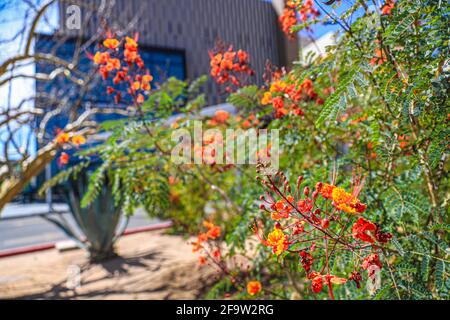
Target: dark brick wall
[(194, 25)]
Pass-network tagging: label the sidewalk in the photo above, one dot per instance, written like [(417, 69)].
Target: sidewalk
[(152, 266)]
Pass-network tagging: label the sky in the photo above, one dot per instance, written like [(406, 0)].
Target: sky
[(12, 17)]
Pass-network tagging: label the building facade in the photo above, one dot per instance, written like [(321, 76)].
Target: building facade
[(193, 26)]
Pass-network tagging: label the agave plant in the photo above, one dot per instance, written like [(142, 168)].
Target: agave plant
[(98, 221)]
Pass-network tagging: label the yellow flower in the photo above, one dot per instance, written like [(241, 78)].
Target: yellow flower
[(278, 240), (347, 202), (78, 140), (131, 42), (267, 98), (341, 196), (111, 43), (278, 86)]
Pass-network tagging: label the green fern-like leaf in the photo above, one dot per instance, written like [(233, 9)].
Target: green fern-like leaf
[(96, 181), (439, 274), (63, 176)]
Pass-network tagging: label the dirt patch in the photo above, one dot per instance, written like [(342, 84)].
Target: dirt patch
[(151, 266)]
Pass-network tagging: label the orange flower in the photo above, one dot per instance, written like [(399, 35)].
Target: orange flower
[(78, 140), (221, 116), (277, 240), (136, 85), (378, 59), (140, 98), (287, 20), (213, 230), (326, 190), (201, 260), (62, 138), (282, 208), (254, 287), (111, 43), (101, 57), (147, 78), (113, 64), (130, 44), (387, 7), (337, 280), (63, 159), (403, 141)]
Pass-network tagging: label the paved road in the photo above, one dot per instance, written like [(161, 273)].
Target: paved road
[(26, 231)]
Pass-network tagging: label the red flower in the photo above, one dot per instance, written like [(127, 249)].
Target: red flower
[(361, 230), (216, 253), (317, 281), (254, 287), (356, 276), (326, 190), (306, 259), (63, 159), (371, 260), (110, 90), (201, 260), (382, 237), (305, 205)]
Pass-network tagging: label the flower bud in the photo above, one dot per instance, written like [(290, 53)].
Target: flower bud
[(325, 223), (315, 194), (306, 191)]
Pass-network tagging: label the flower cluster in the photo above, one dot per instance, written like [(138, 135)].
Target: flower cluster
[(230, 68), (287, 20), (387, 7), (250, 121), (65, 140), (315, 226), (287, 98), (204, 244), (294, 10), (220, 117), (125, 66)]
